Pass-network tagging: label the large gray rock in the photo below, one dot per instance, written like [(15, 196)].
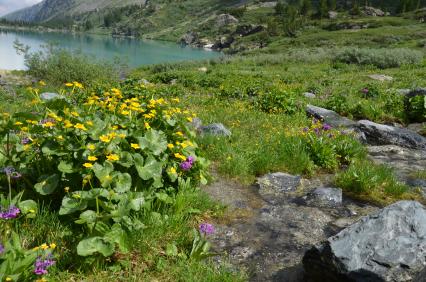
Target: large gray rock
[(379, 134), (389, 245), (189, 38), (371, 11), (332, 14), (225, 19), (274, 186), (325, 197), (217, 129), (328, 116), (381, 77)]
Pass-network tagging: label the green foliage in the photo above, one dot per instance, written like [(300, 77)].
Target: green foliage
[(367, 178), (277, 101), (58, 66), (415, 108), (381, 58)]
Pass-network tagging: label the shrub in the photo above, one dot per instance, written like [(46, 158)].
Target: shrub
[(381, 58), (277, 101), (58, 66), (102, 156), (415, 108)]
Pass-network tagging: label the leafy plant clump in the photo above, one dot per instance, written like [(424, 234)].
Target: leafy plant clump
[(381, 58), (101, 157)]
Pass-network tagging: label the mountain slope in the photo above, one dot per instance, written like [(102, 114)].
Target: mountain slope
[(55, 9)]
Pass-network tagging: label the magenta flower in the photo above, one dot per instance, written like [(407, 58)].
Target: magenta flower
[(206, 228), (41, 265), (187, 165), (326, 127), (365, 90), (1, 248), (11, 213)]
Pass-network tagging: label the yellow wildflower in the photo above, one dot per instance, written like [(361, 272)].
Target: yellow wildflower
[(18, 123), (25, 128), (69, 84), (176, 100), (147, 126), (170, 146), (8, 279), (180, 156), (67, 124), (44, 246), (89, 123), (42, 83), (88, 165), (75, 114), (172, 170), (113, 157), (60, 137), (91, 147), (92, 158), (52, 246), (36, 248), (80, 126), (122, 135), (67, 189), (78, 85), (189, 119), (125, 113), (105, 138), (41, 280), (48, 124), (135, 146), (179, 133)]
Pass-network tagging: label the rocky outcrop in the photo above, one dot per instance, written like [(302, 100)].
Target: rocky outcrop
[(373, 12), (248, 29), (389, 245), (332, 14), (189, 38), (379, 134), (217, 129), (330, 117), (225, 19), (223, 42), (273, 186)]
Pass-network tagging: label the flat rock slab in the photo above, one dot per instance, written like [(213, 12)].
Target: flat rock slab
[(325, 197), (273, 187), (330, 117), (48, 96), (381, 77), (379, 134), (389, 245), (216, 129)]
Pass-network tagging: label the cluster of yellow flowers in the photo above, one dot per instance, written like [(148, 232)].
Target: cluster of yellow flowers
[(45, 246)]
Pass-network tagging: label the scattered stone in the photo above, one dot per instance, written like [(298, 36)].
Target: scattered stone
[(47, 96), (403, 91), (328, 116), (332, 14), (381, 77), (202, 69), (225, 19), (309, 95), (217, 129), (379, 134), (270, 4), (389, 245), (196, 123), (144, 81), (325, 197), (248, 29), (371, 11)]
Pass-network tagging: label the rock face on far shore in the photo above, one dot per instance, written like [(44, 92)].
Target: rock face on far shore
[(389, 245)]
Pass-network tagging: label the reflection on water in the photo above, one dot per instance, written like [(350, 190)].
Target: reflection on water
[(133, 52)]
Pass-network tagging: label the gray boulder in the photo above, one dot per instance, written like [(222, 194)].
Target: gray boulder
[(332, 14), (381, 77), (379, 134), (248, 29), (217, 129), (48, 96), (328, 116), (189, 38), (225, 19), (325, 197), (371, 11), (309, 95), (274, 186), (389, 245), (223, 42)]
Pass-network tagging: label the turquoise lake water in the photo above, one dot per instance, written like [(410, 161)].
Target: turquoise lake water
[(133, 52)]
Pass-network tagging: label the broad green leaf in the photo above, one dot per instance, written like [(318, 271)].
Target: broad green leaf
[(65, 167), (126, 159), (136, 204), (29, 208), (122, 181), (88, 217), (94, 245), (119, 236), (151, 169), (103, 173), (171, 250), (47, 185), (155, 141), (71, 205), (102, 227), (164, 198)]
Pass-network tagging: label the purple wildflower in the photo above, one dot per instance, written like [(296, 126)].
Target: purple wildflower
[(1, 248), (41, 265), (317, 131), (11, 172), (25, 141), (326, 127), (187, 165), (305, 129), (365, 90), (46, 120), (11, 213), (206, 228), (191, 160)]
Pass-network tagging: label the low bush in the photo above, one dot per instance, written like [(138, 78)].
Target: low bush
[(415, 108), (381, 58), (58, 66)]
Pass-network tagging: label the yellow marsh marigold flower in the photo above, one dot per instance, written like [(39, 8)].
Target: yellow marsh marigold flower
[(91, 147), (113, 157), (41, 280), (80, 126), (170, 146), (172, 170), (75, 114), (147, 126), (68, 84), (89, 123), (122, 135), (44, 246), (52, 246), (77, 84), (68, 124), (176, 100), (48, 124), (36, 248), (189, 119), (179, 133), (18, 123), (105, 138), (180, 156), (125, 113), (135, 146), (9, 279), (92, 158), (88, 165), (42, 83)]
